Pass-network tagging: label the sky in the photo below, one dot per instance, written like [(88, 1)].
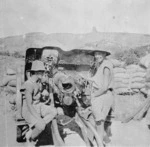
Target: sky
[(18, 17)]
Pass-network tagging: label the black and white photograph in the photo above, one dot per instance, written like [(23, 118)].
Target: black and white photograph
[(74, 73)]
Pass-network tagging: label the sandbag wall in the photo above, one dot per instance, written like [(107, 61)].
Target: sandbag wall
[(145, 62), (9, 81), (130, 79), (148, 79)]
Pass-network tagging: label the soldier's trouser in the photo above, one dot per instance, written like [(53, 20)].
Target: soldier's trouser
[(101, 105), (47, 112)]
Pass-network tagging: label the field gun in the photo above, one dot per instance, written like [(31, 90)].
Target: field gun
[(71, 92)]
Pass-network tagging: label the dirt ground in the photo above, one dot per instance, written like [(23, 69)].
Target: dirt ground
[(134, 133)]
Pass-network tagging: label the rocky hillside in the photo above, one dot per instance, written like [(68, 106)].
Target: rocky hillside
[(108, 41)]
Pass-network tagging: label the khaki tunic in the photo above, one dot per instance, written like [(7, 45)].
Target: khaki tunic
[(40, 108), (101, 105)]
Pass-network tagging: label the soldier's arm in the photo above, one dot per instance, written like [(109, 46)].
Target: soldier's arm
[(104, 88), (28, 95)]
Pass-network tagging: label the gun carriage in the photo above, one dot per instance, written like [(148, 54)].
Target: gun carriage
[(72, 93)]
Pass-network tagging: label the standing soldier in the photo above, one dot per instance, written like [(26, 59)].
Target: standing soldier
[(102, 96)]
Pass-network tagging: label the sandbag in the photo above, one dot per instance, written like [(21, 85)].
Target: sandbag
[(137, 79), (10, 89), (145, 61), (121, 80), (127, 78), (123, 90), (135, 70), (12, 83), (147, 79), (121, 75), (144, 90), (139, 74), (147, 85), (148, 117), (148, 75), (6, 79), (136, 90), (119, 70), (120, 85), (132, 66), (137, 85), (116, 63), (12, 99), (10, 71)]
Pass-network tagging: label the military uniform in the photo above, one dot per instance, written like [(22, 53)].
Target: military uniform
[(101, 105), (40, 107)]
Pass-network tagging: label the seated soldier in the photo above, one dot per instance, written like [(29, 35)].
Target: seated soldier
[(36, 113)]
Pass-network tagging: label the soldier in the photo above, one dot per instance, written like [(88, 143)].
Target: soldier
[(36, 113), (102, 96)]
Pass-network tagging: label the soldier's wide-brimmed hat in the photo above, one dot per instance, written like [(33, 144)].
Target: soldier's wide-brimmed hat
[(107, 53), (95, 50), (37, 66)]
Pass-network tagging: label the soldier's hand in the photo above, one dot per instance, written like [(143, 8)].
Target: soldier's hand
[(80, 109), (60, 111), (45, 78), (41, 122), (45, 93), (38, 96)]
